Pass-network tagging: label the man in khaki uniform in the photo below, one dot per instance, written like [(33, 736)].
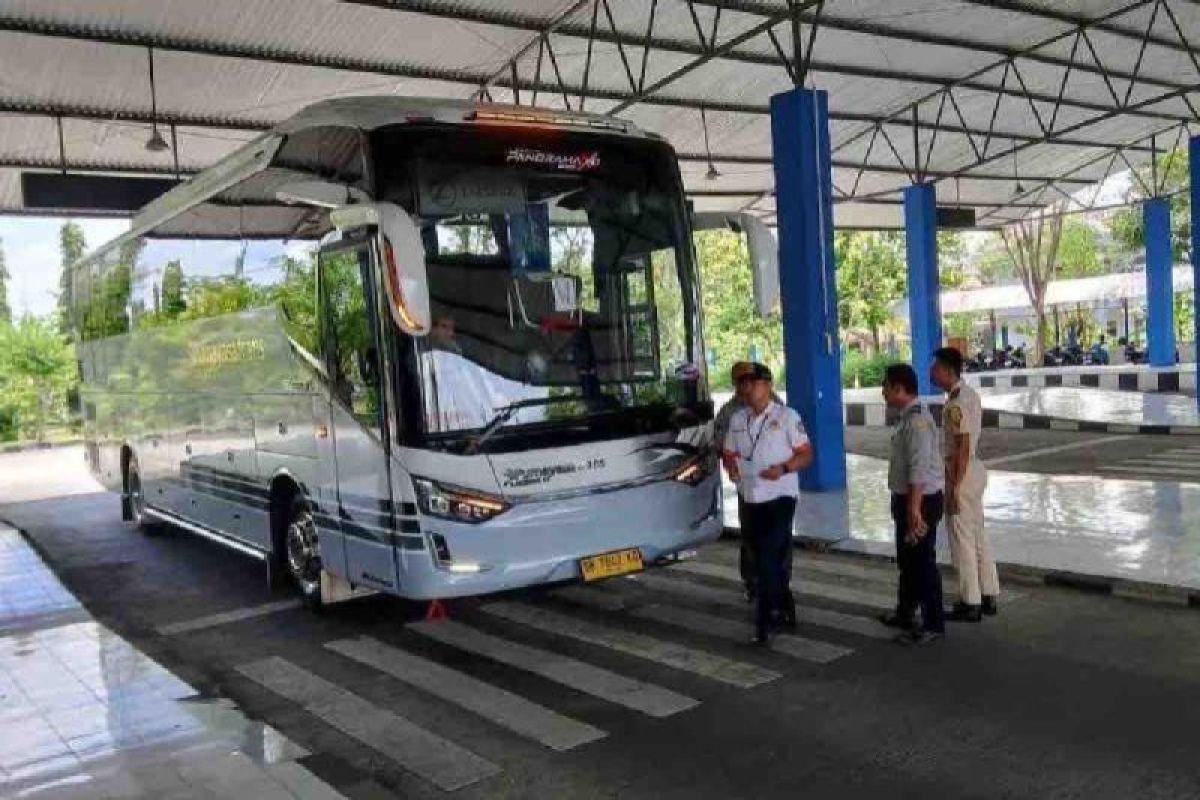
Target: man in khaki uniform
[(966, 479)]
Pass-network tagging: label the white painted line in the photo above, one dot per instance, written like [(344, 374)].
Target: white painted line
[(829, 591), (699, 662), (842, 568), (821, 617), (227, 617), (437, 760), (502, 707), (1044, 451), (708, 625), (1171, 457), (646, 698)]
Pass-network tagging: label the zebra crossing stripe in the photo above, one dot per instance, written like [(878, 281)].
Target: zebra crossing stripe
[(829, 591), (821, 617), (437, 760), (790, 645), (840, 568), (226, 618), (645, 698), (502, 707), (698, 662)]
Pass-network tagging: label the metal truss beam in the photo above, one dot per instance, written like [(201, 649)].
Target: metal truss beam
[(58, 165), (92, 167), (1047, 11), (563, 26), (888, 169), (881, 30), (887, 198), (1110, 155), (45, 108)]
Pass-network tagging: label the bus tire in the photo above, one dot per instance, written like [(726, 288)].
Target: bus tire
[(301, 558), (135, 500)]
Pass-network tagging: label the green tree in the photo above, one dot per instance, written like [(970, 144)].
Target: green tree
[(1033, 245), (871, 277), (1078, 250), (1171, 171), (37, 371), (71, 247), (952, 259), (731, 325), (5, 308), (172, 301)]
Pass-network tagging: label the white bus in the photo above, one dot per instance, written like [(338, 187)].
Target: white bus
[(424, 347)]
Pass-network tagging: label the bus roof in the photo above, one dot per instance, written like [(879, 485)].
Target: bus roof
[(357, 113)]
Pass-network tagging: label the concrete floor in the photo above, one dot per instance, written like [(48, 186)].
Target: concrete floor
[(1065, 695)]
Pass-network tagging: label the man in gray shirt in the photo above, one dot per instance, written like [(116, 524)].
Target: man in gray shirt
[(915, 480)]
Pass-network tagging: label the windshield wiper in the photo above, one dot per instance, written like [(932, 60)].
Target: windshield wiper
[(505, 413)]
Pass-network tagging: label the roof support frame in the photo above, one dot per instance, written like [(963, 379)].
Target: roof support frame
[(560, 26)]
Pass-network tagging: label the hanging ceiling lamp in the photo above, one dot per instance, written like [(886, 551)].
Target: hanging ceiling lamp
[(156, 143), (713, 173), (1018, 190)]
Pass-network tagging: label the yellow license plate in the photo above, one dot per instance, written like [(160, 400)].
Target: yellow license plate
[(606, 565)]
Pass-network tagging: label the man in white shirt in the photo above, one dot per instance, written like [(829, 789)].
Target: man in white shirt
[(966, 479), (764, 448)]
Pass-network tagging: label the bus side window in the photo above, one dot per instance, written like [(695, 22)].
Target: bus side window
[(349, 341)]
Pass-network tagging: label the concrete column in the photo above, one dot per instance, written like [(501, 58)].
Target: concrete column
[(1194, 188), (924, 284), (1160, 294), (808, 294)]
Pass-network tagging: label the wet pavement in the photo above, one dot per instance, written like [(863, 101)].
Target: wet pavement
[(1096, 405), (640, 687), (85, 714), (1140, 530), (1104, 407)]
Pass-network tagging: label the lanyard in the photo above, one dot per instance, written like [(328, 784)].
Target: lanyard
[(762, 427)]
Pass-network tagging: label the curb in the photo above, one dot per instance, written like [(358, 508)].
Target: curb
[(21, 447), (877, 415), (1140, 591), (1146, 380)]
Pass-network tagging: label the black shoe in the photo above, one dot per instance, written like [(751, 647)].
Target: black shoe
[(990, 607), (924, 638), (894, 620), (964, 613), (760, 639), (750, 595)]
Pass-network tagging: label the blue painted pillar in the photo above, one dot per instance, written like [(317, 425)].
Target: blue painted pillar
[(1194, 188), (808, 294), (1160, 293), (924, 285)]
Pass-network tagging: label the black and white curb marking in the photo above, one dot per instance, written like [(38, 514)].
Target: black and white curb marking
[(878, 415), (1130, 380)]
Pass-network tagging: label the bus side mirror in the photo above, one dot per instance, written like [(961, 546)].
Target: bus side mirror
[(403, 260), (760, 243)]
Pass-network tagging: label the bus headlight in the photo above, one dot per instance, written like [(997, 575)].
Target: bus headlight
[(459, 505)]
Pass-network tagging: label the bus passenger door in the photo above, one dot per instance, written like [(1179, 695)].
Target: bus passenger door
[(351, 345)]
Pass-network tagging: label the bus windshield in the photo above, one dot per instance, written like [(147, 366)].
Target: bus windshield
[(561, 280)]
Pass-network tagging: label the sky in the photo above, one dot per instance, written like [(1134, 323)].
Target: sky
[(31, 252)]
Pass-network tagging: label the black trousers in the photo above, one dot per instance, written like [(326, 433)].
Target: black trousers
[(920, 581), (746, 553), (770, 528)]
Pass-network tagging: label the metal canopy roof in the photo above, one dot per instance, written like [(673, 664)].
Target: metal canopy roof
[(1008, 104)]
